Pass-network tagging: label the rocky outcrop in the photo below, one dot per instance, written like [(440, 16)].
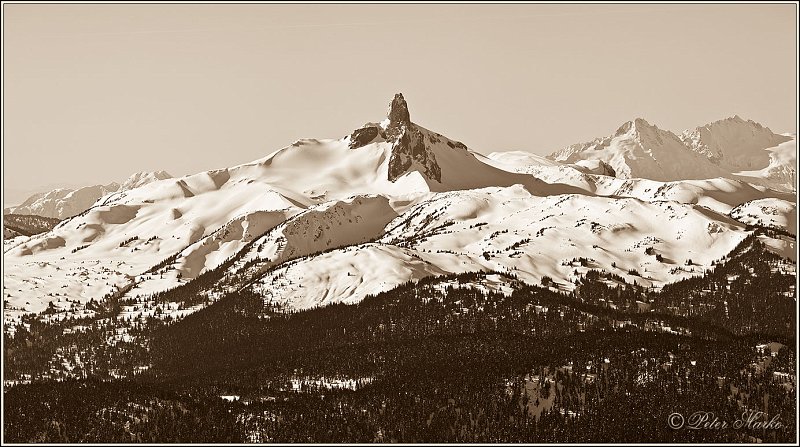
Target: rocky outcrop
[(364, 136), (409, 151), (606, 169), (597, 167)]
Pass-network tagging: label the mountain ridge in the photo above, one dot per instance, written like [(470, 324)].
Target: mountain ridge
[(287, 225), (731, 148)]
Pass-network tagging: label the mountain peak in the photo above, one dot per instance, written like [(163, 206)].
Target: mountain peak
[(733, 142), (639, 149), (637, 124), (409, 151), (398, 110)]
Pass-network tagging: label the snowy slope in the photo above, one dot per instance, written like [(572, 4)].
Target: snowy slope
[(198, 221), (264, 239), (517, 161), (112, 245), (780, 173), (389, 202), (719, 194), (770, 212), (510, 230), (526, 162)]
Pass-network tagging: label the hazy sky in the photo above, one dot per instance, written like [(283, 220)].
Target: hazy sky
[(94, 93)]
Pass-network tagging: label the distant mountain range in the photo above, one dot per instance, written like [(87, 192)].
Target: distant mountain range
[(62, 203)]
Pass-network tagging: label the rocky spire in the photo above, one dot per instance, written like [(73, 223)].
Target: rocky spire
[(408, 146), (398, 110), (409, 151), (399, 118)]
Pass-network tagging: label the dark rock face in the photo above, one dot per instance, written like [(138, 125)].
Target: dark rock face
[(408, 144), (410, 148), (409, 151), (456, 144), (363, 136), (398, 110), (607, 169)]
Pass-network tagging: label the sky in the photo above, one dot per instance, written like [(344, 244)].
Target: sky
[(94, 93)]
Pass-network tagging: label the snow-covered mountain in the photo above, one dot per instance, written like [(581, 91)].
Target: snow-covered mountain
[(732, 148), (63, 202), (733, 143), (142, 178), (639, 149), (769, 212), (748, 150), (325, 221)]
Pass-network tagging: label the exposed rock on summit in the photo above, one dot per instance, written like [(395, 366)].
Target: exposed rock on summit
[(409, 150), (408, 144)]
